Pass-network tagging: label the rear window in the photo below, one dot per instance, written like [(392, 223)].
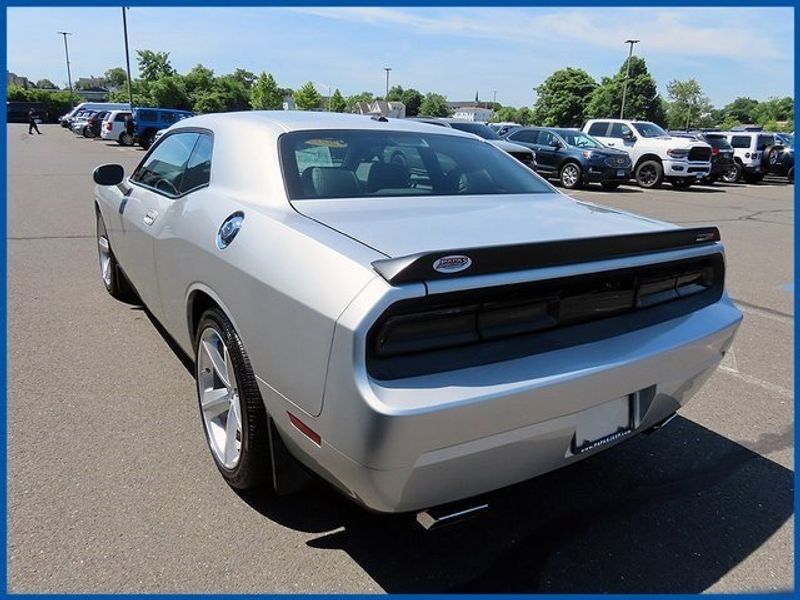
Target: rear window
[(765, 140), (718, 141), (740, 141), (362, 164), (478, 129)]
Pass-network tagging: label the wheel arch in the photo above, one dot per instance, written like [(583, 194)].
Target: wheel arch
[(646, 157), (200, 298)]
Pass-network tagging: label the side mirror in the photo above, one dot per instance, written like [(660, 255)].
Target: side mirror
[(629, 137), (109, 175)]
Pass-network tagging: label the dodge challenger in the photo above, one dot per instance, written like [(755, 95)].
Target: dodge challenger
[(407, 313)]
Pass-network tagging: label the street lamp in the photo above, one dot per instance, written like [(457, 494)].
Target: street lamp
[(127, 56), (66, 53), (387, 69), (325, 85), (627, 75)]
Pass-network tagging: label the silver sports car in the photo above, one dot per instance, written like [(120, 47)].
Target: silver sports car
[(408, 312)]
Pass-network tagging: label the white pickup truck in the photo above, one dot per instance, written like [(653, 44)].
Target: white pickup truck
[(655, 154)]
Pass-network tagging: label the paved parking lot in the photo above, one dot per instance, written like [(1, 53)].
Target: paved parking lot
[(111, 488)]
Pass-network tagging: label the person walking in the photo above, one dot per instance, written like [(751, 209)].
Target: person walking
[(32, 123)]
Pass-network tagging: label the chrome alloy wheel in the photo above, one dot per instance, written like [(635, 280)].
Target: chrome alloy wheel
[(569, 175), (219, 398), (104, 251)]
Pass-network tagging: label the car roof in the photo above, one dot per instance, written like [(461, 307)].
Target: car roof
[(296, 120)]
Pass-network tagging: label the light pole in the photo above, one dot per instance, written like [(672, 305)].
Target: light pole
[(127, 56), (387, 69), (325, 85), (627, 75), (66, 53)]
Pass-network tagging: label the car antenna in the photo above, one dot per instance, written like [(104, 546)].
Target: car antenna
[(380, 118)]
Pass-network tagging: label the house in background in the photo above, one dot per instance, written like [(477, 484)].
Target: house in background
[(477, 114), (394, 110)]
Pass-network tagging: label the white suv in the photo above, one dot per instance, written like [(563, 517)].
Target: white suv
[(748, 155), (655, 154), (113, 128)]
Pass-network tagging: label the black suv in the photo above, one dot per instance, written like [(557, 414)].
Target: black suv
[(573, 157), (721, 152), (780, 158)]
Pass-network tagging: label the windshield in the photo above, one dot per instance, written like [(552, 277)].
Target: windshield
[(479, 129), (650, 130), (579, 139), (363, 164)]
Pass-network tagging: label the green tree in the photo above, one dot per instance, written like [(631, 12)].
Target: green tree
[(337, 102), (395, 94), (413, 100), (562, 98), (774, 109), (641, 101), (356, 98), (688, 106), (505, 114), (153, 65), (525, 116), (740, 111), (199, 79), (234, 94), (434, 105), (116, 77), (46, 84), (265, 94), (307, 97), (168, 91)]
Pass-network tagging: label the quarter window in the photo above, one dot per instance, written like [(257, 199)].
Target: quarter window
[(163, 169), (740, 141), (598, 128), (198, 169)]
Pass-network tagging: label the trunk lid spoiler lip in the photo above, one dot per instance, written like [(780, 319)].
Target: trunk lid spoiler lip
[(419, 267)]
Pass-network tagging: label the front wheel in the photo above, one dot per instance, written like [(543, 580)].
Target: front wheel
[(148, 140), (110, 273), (232, 411), (649, 174), (733, 174), (570, 176)]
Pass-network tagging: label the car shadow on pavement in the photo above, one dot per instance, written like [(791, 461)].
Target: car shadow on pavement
[(671, 512)]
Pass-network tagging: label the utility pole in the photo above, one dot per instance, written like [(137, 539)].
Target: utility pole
[(627, 75), (69, 74), (387, 69), (127, 56), (494, 97)]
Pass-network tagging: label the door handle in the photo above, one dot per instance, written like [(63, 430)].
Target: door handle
[(609, 143), (150, 217)]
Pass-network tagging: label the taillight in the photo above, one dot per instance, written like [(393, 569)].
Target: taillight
[(109, 126)]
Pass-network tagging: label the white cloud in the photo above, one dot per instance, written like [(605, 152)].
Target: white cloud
[(686, 32)]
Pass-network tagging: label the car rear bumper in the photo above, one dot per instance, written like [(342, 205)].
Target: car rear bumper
[(408, 444)]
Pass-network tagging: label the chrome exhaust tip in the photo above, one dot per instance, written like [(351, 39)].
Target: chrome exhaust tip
[(661, 424), (439, 516)]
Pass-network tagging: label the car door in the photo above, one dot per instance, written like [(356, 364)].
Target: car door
[(549, 153), (528, 138), (154, 187)]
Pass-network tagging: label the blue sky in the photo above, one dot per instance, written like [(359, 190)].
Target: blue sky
[(454, 51)]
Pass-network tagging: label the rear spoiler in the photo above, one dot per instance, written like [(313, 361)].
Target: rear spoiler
[(427, 266)]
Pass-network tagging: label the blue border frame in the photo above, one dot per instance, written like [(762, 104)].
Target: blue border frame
[(405, 3)]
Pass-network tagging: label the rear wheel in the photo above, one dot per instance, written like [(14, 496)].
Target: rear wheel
[(649, 174), (733, 173), (232, 411), (570, 176), (148, 140), (610, 185), (125, 139)]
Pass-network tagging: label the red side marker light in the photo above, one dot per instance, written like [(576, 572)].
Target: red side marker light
[(305, 429)]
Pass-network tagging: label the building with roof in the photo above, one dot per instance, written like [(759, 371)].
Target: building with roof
[(473, 113)]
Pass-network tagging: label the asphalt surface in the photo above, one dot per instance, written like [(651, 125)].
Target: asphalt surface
[(111, 487)]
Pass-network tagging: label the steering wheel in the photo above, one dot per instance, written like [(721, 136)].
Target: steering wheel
[(166, 186)]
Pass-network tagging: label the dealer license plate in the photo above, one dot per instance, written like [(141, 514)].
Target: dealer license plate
[(603, 424), (620, 172)]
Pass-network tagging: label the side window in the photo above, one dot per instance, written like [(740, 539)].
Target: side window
[(120, 117), (198, 169), (163, 169), (546, 138), (529, 136), (740, 141), (764, 141), (599, 128), (619, 130)]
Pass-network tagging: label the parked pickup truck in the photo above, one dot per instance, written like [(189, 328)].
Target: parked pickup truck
[(656, 155), (150, 120)]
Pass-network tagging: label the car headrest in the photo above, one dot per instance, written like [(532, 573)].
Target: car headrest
[(333, 182), (387, 176)]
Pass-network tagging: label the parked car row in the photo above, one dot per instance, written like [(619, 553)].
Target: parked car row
[(114, 121)]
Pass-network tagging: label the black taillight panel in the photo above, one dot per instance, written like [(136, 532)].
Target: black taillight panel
[(480, 326)]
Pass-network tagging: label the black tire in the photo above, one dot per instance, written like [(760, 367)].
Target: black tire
[(767, 162), (114, 280), (610, 185), (649, 174), (710, 180), (87, 133), (733, 174), (571, 176), (752, 177), (790, 174), (253, 470), (681, 184), (125, 139), (148, 140)]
